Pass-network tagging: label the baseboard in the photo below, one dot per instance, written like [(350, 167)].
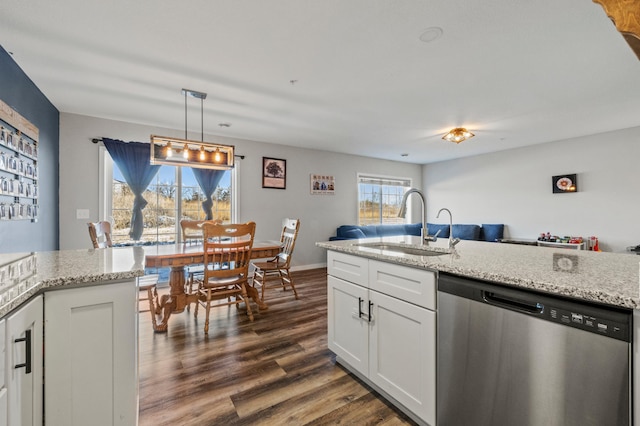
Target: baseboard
[(310, 266)]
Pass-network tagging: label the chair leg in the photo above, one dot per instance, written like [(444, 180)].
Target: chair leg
[(208, 309), (246, 302), (290, 281), (150, 294)]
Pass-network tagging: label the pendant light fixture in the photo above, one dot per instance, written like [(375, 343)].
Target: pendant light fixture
[(457, 135), (194, 154)]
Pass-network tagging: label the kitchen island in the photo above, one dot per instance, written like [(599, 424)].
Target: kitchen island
[(383, 308), (82, 305), (607, 278)]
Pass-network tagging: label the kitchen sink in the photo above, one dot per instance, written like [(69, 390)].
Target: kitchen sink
[(413, 250)]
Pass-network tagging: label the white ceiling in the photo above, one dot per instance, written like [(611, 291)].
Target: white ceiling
[(514, 72)]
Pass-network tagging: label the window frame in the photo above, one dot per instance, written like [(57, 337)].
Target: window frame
[(407, 181), (105, 198)]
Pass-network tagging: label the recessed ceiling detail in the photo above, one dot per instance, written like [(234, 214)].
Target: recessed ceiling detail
[(431, 34)]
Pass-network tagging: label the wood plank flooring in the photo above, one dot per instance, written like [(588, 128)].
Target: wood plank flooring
[(276, 370)]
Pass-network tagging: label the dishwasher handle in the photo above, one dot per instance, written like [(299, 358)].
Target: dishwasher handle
[(513, 304)]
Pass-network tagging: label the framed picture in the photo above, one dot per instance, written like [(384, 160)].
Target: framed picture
[(322, 185), (274, 173), (564, 183)]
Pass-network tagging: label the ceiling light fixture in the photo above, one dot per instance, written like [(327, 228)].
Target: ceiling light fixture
[(458, 135), (162, 151)]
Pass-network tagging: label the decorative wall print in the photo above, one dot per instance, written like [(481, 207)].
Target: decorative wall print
[(18, 166), (322, 185), (274, 173), (564, 183)]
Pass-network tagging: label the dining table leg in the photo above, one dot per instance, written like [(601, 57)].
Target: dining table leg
[(173, 302), (253, 294)]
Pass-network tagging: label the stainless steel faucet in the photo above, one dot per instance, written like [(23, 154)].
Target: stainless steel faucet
[(452, 241), (424, 237)]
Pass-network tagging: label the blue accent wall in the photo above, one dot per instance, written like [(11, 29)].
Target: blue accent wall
[(20, 93)]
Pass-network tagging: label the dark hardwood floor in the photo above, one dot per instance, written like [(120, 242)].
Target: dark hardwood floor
[(276, 370)]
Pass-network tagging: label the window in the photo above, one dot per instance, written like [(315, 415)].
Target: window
[(379, 199), (174, 193)]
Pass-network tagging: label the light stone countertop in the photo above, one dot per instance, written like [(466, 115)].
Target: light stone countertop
[(606, 278), (23, 275)]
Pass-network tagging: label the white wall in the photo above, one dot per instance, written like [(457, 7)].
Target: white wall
[(514, 187), (320, 215)]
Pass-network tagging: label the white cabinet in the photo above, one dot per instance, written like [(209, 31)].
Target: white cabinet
[(3, 383), (91, 373), (384, 328), (23, 375)]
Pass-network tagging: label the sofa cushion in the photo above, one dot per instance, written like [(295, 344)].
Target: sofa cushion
[(343, 230), (466, 232), (391, 230), (413, 229), (354, 233), (492, 232), (433, 228)]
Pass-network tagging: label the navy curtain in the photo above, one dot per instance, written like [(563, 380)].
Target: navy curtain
[(208, 181), (133, 160)]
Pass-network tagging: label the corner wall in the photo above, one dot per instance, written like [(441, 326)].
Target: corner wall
[(21, 94), (514, 187), (319, 215)]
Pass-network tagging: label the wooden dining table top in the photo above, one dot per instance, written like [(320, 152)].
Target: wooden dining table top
[(184, 254)]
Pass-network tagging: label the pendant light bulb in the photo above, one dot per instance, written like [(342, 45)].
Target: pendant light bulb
[(217, 157), (202, 153), (185, 151), (169, 150)]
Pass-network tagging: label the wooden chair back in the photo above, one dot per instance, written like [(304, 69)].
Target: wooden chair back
[(227, 251), (100, 234), (288, 240), (192, 229)]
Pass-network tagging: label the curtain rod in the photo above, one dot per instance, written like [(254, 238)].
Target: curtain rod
[(97, 140)]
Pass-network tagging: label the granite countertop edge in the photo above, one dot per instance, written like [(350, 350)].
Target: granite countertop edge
[(477, 260), (46, 271)]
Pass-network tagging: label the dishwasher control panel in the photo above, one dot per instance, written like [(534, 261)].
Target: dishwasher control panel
[(587, 322)]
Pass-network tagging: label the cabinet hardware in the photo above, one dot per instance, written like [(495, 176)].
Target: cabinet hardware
[(360, 300), (370, 305), (27, 340)]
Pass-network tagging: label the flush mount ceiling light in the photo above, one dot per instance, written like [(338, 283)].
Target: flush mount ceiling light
[(458, 135), (202, 155)]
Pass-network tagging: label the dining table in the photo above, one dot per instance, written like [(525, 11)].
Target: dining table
[(177, 256)]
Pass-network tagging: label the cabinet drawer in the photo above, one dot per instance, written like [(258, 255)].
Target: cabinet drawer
[(350, 268), (413, 285)]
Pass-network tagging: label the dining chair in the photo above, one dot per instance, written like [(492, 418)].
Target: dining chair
[(100, 234), (277, 269), (192, 234), (227, 256)]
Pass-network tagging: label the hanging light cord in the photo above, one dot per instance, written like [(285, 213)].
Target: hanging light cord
[(185, 114)]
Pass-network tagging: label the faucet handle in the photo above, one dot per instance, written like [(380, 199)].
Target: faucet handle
[(433, 238)]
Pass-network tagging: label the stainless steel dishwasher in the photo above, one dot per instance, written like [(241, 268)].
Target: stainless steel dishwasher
[(512, 357)]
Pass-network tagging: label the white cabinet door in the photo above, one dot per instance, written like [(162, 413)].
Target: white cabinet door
[(91, 370), (402, 354), (24, 364), (348, 326)]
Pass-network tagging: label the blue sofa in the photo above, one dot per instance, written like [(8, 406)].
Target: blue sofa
[(484, 232)]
